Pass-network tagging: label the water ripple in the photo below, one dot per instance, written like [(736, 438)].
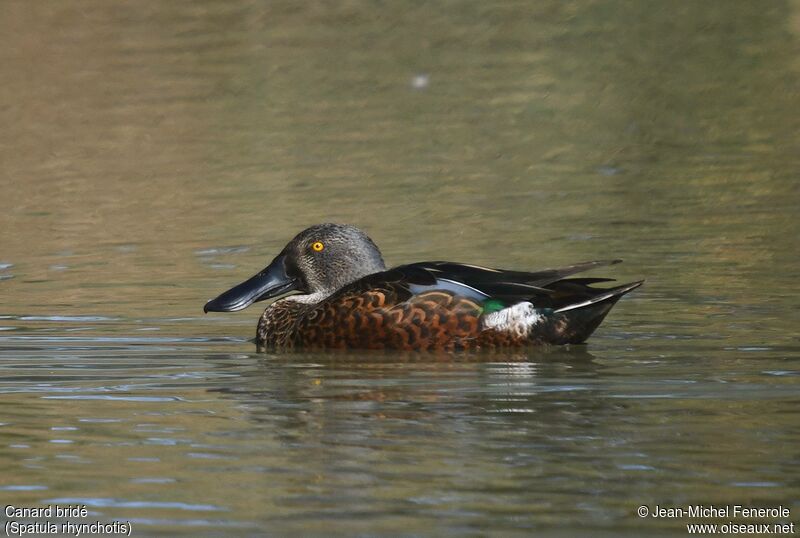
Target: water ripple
[(119, 503)]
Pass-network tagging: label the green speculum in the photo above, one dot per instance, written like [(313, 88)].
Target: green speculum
[(493, 305)]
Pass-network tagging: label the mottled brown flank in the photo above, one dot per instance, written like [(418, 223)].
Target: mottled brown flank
[(377, 319)]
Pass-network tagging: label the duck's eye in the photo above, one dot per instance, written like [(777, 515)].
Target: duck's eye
[(317, 246)]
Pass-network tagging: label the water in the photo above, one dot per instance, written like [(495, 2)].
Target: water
[(154, 155)]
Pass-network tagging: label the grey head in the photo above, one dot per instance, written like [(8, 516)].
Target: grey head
[(327, 257), (317, 262)]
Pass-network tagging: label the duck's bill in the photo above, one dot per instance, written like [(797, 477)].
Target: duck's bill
[(271, 282)]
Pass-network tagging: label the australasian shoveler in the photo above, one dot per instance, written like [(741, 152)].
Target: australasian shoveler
[(346, 298)]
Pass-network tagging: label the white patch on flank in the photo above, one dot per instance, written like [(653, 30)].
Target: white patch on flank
[(518, 319)]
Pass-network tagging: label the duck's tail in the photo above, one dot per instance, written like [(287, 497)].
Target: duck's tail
[(574, 323)]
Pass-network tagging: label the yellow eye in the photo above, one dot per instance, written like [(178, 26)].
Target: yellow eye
[(317, 246)]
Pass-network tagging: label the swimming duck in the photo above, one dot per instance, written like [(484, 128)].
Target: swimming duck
[(342, 296)]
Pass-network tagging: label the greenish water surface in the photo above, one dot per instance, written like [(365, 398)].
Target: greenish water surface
[(154, 153)]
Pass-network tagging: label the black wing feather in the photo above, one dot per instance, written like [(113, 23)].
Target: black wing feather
[(483, 275)]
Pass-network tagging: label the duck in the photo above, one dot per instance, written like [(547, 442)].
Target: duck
[(334, 291)]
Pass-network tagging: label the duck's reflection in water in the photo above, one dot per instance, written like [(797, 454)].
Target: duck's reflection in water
[(343, 389)]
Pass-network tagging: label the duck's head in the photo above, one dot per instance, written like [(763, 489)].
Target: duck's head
[(317, 262)]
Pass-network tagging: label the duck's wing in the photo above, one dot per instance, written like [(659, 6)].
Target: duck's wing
[(479, 283), (547, 288)]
